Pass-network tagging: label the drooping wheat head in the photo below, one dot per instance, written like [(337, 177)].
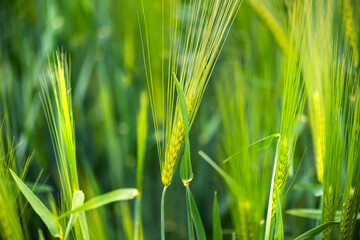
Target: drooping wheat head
[(191, 46)]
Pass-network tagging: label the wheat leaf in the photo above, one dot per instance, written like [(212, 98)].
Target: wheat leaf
[(315, 231), (99, 201), (44, 213), (195, 216), (217, 231)]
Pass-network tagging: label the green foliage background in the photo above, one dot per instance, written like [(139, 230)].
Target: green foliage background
[(107, 78)]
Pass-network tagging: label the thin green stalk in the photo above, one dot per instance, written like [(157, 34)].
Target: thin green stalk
[(189, 221), (163, 214), (268, 226), (137, 219)]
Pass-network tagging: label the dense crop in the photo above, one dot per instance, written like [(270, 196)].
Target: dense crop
[(245, 115)]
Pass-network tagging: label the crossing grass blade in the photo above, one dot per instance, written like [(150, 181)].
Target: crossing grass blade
[(104, 199), (315, 231), (78, 200)]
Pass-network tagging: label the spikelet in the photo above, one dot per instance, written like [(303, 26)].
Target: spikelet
[(347, 216), (282, 170), (173, 152), (350, 30), (246, 220), (320, 136)]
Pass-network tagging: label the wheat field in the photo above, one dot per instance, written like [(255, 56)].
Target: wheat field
[(180, 119)]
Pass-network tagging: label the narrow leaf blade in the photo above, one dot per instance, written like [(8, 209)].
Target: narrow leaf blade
[(217, 231), (200, 231), (256, 146), (113, 196), (229, 181), (315, 231), (78, 200), (44, 213)]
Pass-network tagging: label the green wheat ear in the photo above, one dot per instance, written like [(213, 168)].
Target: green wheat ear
[(57, 104), (294, 97), (190, 50), (350, 29)]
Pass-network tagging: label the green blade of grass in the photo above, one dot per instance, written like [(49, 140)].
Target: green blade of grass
[(78, 200), (110, 197), (315, 189), (256, 146), (217, 231), (312, 213), (230, 182), (44, 213), (200, 231), (141, 140), (141, 150), (84, 226), (41, 235), (189, 219), (315, 231)]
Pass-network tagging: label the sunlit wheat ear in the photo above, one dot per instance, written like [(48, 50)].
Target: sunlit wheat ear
[(350, 29), (191, 47), (173, 151), (56, 100)]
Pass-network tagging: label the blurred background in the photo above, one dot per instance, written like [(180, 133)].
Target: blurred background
[(102, 39)]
